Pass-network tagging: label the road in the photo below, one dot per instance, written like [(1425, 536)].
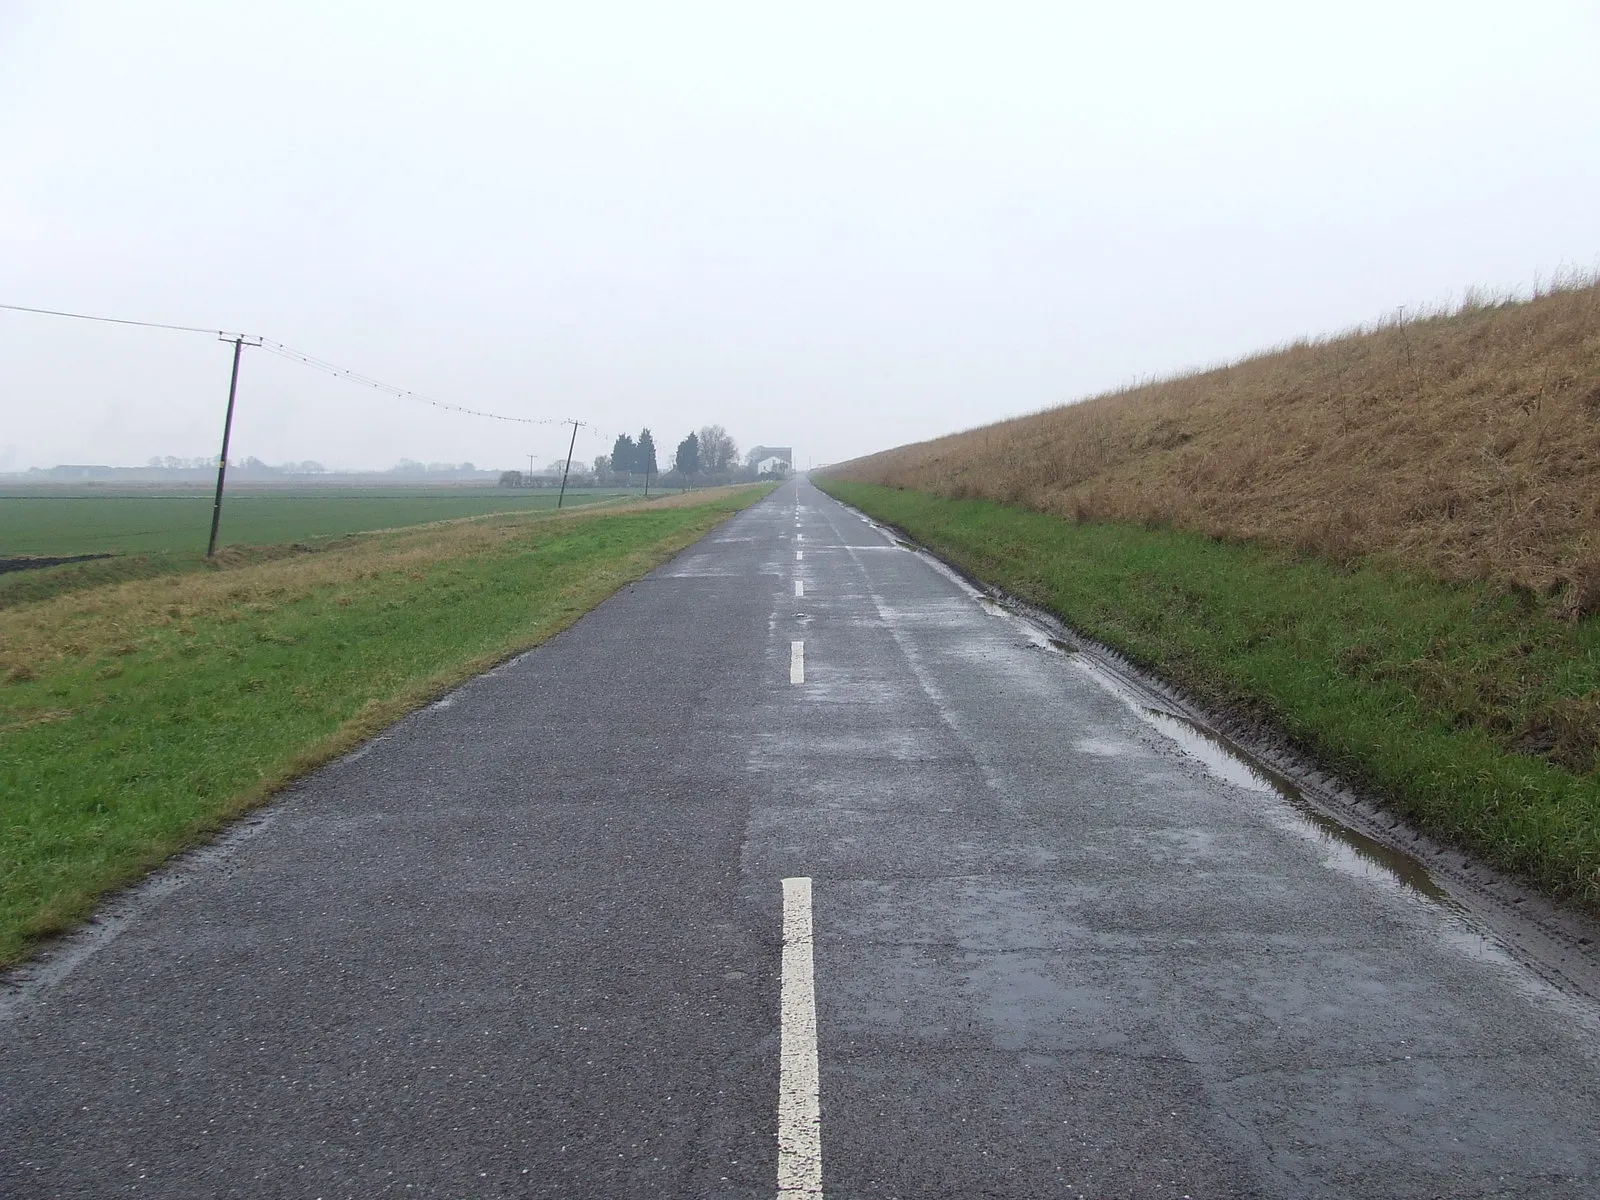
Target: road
[(537, 940)]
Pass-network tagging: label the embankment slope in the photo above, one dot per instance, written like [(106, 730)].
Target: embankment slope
[(1383, 547), (1466, 445)]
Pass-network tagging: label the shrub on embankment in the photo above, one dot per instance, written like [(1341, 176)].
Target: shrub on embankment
[(1464, 446), (1463, 707), (137, 715)]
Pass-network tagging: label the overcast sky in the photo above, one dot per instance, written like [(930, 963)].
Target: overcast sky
[(836, 226)]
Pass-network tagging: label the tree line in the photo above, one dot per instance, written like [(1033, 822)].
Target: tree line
[(705, 456), (708, 451)]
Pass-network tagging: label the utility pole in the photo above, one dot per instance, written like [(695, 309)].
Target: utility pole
[(239, 341), (647, 478), (568, 470), (528, 479)]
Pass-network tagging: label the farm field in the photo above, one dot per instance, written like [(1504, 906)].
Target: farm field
[(39, 522)]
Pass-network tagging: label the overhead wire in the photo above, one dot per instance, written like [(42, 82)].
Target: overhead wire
[(356, 377), (310, 360), (52, 312)]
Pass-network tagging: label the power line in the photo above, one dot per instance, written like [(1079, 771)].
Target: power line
[(240, 340), (334, 369), (51, 312), (300, 356)]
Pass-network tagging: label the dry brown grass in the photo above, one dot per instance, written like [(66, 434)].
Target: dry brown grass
[(1464, 444)]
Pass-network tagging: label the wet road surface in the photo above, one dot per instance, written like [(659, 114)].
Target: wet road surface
[(532, 941)]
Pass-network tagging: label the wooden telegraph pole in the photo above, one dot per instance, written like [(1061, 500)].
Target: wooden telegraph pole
[(568, 471), (240, 341)]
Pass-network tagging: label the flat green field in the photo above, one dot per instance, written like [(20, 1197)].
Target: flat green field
[(52, 523)]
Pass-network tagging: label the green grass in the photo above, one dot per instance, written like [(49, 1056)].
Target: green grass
[(43, 522), (1472, 713), (139, 716)]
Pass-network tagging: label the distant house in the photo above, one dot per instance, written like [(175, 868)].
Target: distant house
[(758, 456), (772, 465)]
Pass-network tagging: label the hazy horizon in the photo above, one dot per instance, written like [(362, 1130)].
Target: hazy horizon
[(840, 229)]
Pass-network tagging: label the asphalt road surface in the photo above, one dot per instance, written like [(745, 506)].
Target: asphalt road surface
[(537, 941)]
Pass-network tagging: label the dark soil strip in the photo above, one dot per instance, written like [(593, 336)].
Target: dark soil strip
[(30, 564)]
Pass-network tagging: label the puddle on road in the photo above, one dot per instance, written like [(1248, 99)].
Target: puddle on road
[(1354, 850), (1232, 763), (1235, 765), (1345, 849)]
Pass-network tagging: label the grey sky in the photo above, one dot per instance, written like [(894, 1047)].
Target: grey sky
[(837, 226)]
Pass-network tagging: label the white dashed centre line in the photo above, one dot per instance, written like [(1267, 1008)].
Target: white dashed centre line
[(797, 662), (799, 554), (799, 588), (799, 1110)]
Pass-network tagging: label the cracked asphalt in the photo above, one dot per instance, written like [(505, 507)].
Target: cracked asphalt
[(527, 943)]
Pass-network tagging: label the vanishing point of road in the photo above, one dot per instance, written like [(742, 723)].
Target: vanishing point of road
[(793, 870)]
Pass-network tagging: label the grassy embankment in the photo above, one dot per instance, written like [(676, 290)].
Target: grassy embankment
[(1386, 545), (138, 716)]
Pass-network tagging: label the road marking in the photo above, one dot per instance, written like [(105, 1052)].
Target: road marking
[(797, 662), (799, 588), (799, 1110), (799, 554)]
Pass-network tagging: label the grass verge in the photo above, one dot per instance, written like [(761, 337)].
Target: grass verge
[(1472, 712), (138, 717)]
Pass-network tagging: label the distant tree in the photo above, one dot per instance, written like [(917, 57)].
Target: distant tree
[(602, 465), (623, 452), (687, 460), (644, 460), (718, 451), (510, 478)]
